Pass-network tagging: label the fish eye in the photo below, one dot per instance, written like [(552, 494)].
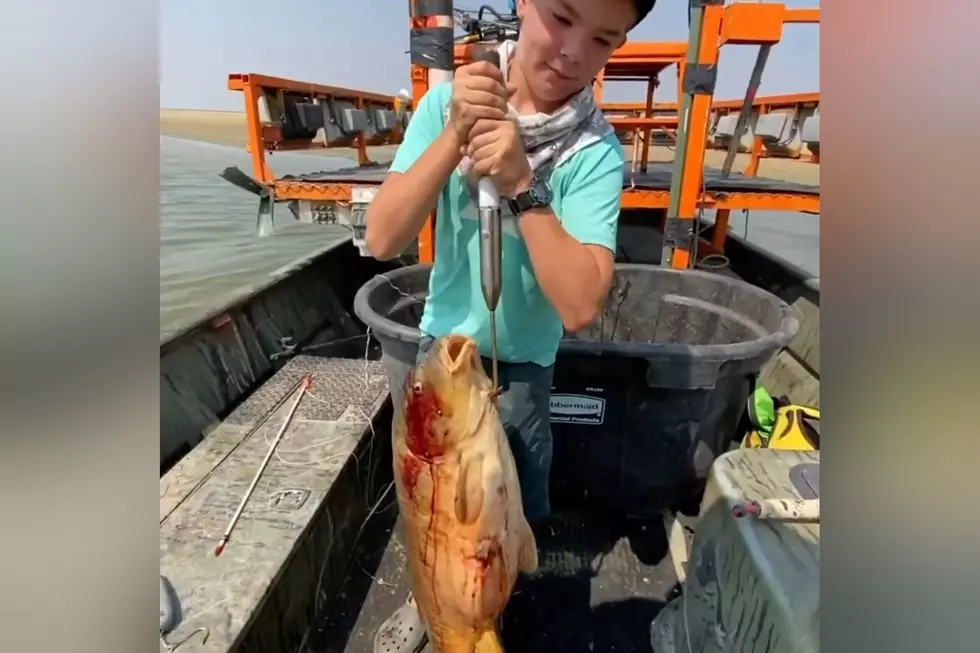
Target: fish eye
[(417, 388)]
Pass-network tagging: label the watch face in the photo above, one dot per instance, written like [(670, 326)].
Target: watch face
[(541, 192), (537, 196)]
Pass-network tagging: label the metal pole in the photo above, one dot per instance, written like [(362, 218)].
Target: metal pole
[(684, 125), (431, 73), (490, 238), (436, 75), (743, 117)]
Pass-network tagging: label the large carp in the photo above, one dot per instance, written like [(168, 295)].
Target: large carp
[(460, 499)]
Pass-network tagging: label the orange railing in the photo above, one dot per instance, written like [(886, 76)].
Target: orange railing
[(714, 25), (268, 99)]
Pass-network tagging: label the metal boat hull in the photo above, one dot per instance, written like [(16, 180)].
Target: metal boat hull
[(221, 375)]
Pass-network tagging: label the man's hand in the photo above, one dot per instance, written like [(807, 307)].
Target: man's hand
[(479, 93), (497, 151)]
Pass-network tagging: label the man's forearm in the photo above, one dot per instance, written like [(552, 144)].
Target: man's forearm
[(567, 271), (398, 212)]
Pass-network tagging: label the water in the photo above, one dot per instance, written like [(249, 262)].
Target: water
[(791, 235), (208, 247), (209, 251)]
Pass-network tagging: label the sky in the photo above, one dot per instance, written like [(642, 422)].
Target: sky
[(362, 44)]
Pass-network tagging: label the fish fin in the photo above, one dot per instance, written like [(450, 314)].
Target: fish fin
[(527, 558), (489, 642), (484, 639), (469, 489)]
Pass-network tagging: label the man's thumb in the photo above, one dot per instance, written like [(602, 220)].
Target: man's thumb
[(511, 89)]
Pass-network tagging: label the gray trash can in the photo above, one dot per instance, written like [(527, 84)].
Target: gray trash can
[(645, 400)]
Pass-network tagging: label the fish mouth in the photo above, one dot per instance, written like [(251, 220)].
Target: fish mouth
[(459, 351)]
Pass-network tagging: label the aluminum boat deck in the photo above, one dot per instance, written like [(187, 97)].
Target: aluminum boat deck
[(600, 583), (294, 539), (317, 563)]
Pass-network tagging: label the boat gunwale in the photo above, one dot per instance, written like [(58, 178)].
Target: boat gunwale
[(245, 294)]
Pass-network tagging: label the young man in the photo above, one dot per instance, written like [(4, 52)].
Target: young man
[(536, 131)]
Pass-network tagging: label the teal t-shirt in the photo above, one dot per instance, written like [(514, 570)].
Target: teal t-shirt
[(586, 194)]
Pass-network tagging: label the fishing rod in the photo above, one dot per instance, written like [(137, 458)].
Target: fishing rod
[(304, 385)]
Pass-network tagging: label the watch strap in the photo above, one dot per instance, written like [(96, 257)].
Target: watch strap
[(534, 197)]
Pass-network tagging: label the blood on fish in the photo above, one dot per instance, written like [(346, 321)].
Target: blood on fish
[(484, 560), (463, 573), (422, 412), (487, 560), (411, 468)]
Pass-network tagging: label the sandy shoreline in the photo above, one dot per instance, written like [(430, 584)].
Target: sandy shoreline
[(229, 128), (795, 170), (218, 127)]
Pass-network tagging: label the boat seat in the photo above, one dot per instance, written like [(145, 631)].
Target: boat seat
[(725, 126), (810, 133), (342, 121), (310, 115), (779, 133), (725, 130), (776, 127), (301, 120), (264, 114), (712, 123), (382, 120)]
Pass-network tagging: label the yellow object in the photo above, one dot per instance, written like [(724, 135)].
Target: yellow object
[(402, 101), (796, 428)]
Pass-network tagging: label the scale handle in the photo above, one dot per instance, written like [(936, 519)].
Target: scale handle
[(489, 196)]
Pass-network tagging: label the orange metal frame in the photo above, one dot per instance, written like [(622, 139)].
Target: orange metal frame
[(276, 91), (631, 116), (740, 23), (772, 102), (420, 86)]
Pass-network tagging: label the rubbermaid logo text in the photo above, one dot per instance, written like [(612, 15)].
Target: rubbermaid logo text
[(577, 409)]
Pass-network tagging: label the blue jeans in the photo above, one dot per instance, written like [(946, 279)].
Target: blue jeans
[(525, 411)]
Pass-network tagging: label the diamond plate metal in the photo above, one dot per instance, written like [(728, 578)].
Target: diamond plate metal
[(338, 383)]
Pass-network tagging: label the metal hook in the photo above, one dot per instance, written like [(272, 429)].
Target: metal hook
[(621, 293), (173, 647), (288, 348)]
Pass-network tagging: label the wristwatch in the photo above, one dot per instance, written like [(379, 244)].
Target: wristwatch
[(536, 197)]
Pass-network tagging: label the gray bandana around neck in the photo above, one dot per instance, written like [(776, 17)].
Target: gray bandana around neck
[(550, 139)]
